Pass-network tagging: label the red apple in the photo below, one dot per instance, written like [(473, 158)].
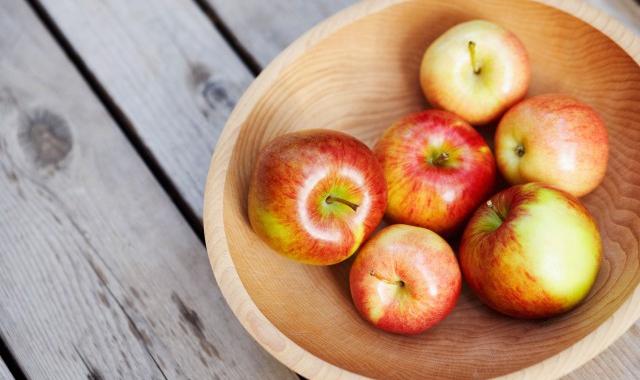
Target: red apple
[(316, 195), (438, 169), (553, 139), (532, 251), (477, 70), (405, 279)]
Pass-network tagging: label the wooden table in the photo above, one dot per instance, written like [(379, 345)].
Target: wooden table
[(109, 113)]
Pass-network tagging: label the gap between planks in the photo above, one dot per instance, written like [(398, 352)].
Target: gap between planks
[(227, 34), (8, 363), (125, 125), (78, 211)]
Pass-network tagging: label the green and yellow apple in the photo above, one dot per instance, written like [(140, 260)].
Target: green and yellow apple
[(476, 70), (554, 139), (316, 195), (438, 170), (405, 279), (531, 251)]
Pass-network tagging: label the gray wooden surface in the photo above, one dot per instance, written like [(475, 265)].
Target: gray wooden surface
[(4, 372), (100, 276), (264, 28), (100, 273), (167, 69)]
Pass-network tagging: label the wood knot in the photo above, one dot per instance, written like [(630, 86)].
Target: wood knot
[(198, 74), (216, 95), (212, 92), (195, 325), (46, 138)]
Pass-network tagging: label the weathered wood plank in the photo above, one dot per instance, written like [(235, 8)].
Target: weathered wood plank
[(167, 69), (100, 276), (264, 28), (4, 372)]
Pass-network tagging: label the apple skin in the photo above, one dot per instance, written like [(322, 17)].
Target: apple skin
[(289, 205), (424, 192), (448, 73), (405, 279), (541, 260), (554, 139)]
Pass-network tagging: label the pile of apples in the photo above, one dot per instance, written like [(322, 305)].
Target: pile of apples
[(530, 251)]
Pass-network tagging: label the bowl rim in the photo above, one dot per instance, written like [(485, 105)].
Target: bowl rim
[(247, 312)]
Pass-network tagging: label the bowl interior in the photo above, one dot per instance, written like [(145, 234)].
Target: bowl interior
[(359, 80)]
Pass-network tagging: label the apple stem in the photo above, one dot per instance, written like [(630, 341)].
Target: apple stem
[(493, 207), (472, 53), (398, 283), (520, 150), (330, 199), (441, 159)]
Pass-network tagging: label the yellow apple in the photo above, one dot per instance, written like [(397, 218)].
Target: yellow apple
[(477, 70)]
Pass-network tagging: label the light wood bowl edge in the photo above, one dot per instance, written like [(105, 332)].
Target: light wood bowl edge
[(240, 302)]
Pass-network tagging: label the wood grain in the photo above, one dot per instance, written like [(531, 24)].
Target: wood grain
[(100, 277), (264, 28), (167, 69), (4, 372), (350, 73)]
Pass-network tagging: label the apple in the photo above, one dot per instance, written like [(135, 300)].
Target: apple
[(316, 195), (405, 279), (438, 170), (554, 139), (531, 251), (476, 70)]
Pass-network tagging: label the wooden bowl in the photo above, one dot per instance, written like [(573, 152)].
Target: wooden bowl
[(358, 72)]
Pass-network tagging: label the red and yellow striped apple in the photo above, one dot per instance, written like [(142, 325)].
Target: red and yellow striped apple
[(531, 251), (554, 139), (316, 195), (477, 70), (405, 279), (438, 169)]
